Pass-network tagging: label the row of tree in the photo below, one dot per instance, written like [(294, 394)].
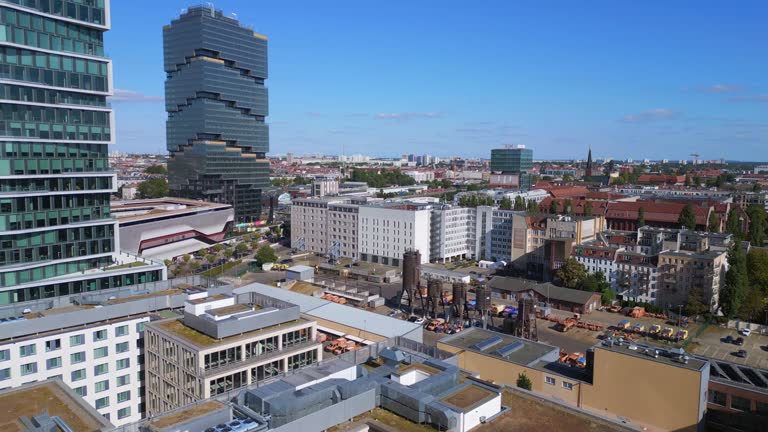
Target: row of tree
[(574, 275), (382, 179), (745, 294)]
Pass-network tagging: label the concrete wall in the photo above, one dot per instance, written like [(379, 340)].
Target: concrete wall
[(472, 418)]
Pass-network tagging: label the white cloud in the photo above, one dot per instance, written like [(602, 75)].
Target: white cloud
[(650, 115), (752, 98), (721, 88), (122, 95)]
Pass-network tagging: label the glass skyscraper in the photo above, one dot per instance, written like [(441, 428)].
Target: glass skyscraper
[(217, 105), (511, 160), (56, 233)]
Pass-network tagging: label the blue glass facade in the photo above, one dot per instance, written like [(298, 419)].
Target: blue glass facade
[(217, 105), (56, 233)]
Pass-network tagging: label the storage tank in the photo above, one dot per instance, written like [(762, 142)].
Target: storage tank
[(459, 298), (411, 272), (483, 298)]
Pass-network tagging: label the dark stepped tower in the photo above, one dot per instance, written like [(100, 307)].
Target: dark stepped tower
[(217, 105)]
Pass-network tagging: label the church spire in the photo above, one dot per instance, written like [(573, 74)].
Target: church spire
[(588, 171)]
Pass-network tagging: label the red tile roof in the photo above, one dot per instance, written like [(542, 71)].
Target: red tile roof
[(654, 212)]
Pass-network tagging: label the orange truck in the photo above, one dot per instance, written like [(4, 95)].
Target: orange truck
[(566, 325), (344, 347)]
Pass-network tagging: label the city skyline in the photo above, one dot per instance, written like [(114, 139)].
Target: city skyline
[(633, 81)]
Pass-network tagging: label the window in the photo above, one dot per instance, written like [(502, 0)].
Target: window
[(53, 345), (5, 374), (101, 386), (100, 352), (76, 340), (121, 331), (123, 363), (123, 380), (28, 368), (549, 380), (82, 391), (567, 385), (77, 357), (5, 355), (123, 412), (102, 403), (122, 347), (123, 396), (717, 398), (99, 335), (77, 375), (140, 327), (740, 403), (53, 363), (27, 350), (101, 369)]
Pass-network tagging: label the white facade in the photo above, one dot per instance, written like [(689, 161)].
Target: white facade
[(453, 233), (324, 186), (309, 225), (421, 176), (343, 229), (386, 232), (99, 362)]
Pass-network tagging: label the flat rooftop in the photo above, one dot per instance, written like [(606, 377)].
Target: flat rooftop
[(469, 397), (178, 328), (666, 355), (137, 210), (51, 397), (187, 414), (525, 353)]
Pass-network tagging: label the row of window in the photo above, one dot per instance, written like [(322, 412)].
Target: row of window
[(74, 287), (74, 340), (91, 11), (11, 278), (56, 131), (551, 381), (74, 80), (41, 32)]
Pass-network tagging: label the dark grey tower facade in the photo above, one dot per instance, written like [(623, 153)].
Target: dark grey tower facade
[(217, 105)]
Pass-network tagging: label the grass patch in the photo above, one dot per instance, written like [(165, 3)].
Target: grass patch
[(219, 270), (125, 266)]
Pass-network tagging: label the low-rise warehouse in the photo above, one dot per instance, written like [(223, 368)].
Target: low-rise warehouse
[(567, 299)]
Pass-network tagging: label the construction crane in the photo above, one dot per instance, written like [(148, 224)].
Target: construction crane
[(695, 158)]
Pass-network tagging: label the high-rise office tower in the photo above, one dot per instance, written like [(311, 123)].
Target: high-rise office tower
[(217, 103), (56, 233), (513, 161)]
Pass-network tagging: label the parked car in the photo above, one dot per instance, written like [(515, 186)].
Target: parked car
[(741, 353), (416, 319), (745, 332), (739, 341), (728, 339), (393, 313)]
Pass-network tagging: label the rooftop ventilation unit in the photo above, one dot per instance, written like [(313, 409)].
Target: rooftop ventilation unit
[(484, 345), (509, 349)]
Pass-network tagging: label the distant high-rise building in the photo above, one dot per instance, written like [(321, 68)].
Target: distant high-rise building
[(289, 158), (512, 160), (217, 106), (57, 236), (517, 161)]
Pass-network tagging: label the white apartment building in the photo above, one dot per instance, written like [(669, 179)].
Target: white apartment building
[(325, 186), (309, 225), (389, 229), (343, 228), (421, 176), (100, 362), (453, 233)]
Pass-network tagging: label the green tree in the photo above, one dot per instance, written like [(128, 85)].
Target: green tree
[(186, 258), (571, 274), (241, 248), (753, 308), (519, 203), (713, 225), (736, 282), (228, 253), (687, 218), (553, 207), (757, 224), (757, 269), (211, 258), (505, 203), (567, 178), (733, 224), (696, 181), (201, 253), (218, 247), (588, 209), (757, 187), (153, 188), (696, 304), (167, 262), (266, 254), (524, 382), (568, 206), (156, 170), (194, 266), (687, 181), (532, 206), (607, 296), (640, 217)]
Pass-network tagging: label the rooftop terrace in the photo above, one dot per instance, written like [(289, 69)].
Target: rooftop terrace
[(509, 348), (178, 328)]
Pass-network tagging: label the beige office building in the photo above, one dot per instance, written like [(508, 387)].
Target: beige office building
[(223, 343)]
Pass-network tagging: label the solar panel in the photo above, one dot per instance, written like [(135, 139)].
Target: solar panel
[(491, 341), (510, 348)]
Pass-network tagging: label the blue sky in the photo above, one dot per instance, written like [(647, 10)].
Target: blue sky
[(646, 79)]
